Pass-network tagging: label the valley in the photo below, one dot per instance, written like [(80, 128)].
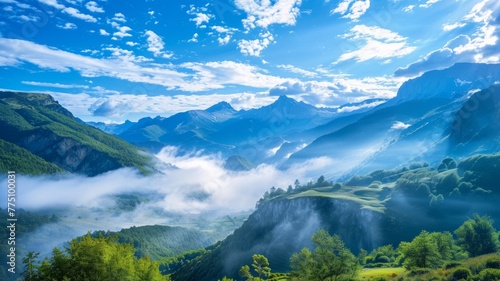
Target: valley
[(194, 196)]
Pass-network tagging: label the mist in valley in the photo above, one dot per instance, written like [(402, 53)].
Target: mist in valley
[(192, 191)]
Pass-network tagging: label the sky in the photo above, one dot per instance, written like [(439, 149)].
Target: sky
[(110, 60)]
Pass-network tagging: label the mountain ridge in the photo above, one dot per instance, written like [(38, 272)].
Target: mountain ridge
[(37, 123)]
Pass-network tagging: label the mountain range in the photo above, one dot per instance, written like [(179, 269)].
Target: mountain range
[(419, 124)]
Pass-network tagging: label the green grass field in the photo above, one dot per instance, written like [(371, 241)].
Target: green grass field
[(390, 273)]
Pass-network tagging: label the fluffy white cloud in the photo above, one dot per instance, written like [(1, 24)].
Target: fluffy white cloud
[(200, 16), (156, 45), (194, 39), (351, 9), (119, 17), (266, 13), (94, 7), (379, 43), (256, 46), (103, 32), (123, 32)]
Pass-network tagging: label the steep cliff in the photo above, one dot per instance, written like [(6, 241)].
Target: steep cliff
[(282, 227)]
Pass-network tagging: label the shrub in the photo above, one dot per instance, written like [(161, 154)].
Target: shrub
[(451, 264), (460, 273), (489, 274), (493, 263)]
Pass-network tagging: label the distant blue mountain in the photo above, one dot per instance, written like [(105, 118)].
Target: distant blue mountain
[(414, 126)]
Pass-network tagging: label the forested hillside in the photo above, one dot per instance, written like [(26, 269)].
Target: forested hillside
[(36, 127)]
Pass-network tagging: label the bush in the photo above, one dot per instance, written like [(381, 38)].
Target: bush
[(489, 274), (493, 263), (460, 273), (451, 264)]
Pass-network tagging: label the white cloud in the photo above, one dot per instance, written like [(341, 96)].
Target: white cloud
[(256, 46), (451, 26), (119, 17), (224, 40), (68, 25), (408, 8), (480, 46), (94, 7), (156, 45), (379, 43), (428, 4), (54, 85), (194, 39), (297, 70), (266, 13), (123, 32), (132, 44), (103, 32), (200, 18), (69, 10), (190, 76), (17, 3), (398, 125), (29, 18), (351, 9), (225, 34)]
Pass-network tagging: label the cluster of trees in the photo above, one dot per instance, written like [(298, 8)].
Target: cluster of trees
[(297, 187), (89, 258)]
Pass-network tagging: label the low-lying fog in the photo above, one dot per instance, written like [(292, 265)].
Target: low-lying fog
[(196, 193)]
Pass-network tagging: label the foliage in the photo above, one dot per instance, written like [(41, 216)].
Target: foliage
[(23, 161), (261, 267), (477, 236), (422, 252), (96, 259), (161, 242), (330, 259)]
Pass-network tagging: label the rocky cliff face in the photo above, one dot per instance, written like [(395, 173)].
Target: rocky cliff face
[(282, 227), (67, 153)]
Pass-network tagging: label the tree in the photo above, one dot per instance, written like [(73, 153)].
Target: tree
[(260, 265), (477, 236), (329, 260), (30, 263), (421, 252), (97, 259)]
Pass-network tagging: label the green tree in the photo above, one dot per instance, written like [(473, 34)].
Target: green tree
[(329, 261), (477, 236), (421, 252), (97, 259), (30, 264), (260, 265)]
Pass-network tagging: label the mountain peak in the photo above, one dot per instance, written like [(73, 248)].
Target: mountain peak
[(221, 106)]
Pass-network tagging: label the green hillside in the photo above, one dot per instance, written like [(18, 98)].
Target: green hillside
[(37, 123), (23, 161)]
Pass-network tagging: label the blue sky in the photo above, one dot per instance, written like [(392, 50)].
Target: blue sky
[(110, 60)]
